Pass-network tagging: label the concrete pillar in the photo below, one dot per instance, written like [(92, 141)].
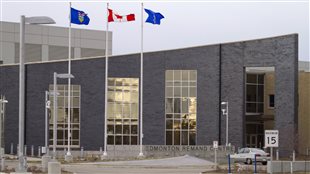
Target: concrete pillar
[(45, 160)]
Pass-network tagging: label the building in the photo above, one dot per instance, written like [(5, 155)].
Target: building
[(45, 43), (182, 94), (260, 118)]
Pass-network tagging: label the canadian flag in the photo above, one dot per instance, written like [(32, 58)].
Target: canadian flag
[(113, 17)]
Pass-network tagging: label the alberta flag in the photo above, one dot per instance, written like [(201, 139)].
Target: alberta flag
[(154, 17), (79, 17)]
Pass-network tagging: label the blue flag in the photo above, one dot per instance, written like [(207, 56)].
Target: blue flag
[(79, 17), (154, 17)]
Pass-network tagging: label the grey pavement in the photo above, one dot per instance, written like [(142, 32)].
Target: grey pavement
[(184, 164)]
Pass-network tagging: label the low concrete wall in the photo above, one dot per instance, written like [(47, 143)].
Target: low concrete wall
[(287, 166), (156, 151)]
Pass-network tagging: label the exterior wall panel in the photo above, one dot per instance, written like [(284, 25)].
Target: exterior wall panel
[(280, 52)]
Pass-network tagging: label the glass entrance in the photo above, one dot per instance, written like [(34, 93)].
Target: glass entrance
[(255, 135)]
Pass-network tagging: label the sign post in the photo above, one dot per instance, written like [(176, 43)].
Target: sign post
[(215, 146), (271, 140)]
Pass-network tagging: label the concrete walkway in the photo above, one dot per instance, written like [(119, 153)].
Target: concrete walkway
[(183, 164)]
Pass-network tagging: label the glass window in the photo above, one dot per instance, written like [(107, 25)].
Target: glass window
[(169, 124), (180, 102), (177, 91), (169, 106), (123, 111), (260, 79), (192, 137), (254, 93), (271, 100), (176, 137), (169, 75), (185, 91), (184, 137), (169, 137), (184, 105), (177, 75), (185, 76), (177, 105), (193, 75), (62, 121), (169, 91), (251, 78)]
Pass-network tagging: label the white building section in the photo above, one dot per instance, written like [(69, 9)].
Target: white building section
[(45, 43)]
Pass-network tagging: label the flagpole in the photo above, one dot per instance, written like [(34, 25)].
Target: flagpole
[(106, 85), (68, 156), (141, 83)]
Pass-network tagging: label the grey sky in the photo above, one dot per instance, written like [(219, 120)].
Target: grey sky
[(186, 24)]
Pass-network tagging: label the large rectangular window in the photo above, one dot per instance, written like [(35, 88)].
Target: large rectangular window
[(123, 111), (255, 93), (62, 121), (181, 107)]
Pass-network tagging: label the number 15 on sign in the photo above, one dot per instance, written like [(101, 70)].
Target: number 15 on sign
[(271, 138)]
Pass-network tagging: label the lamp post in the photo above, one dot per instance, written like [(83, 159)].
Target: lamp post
[(23, 21), (47, 111), (3, 101), (61, 76), (47, 107), (225, 112)]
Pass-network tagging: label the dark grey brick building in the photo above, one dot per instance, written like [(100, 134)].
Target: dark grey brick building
[(182, 94)]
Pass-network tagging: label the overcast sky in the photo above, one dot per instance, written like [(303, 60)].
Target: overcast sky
[(186, 24)]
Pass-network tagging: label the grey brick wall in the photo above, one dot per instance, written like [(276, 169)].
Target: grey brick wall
[(205, 61), (280, 52)]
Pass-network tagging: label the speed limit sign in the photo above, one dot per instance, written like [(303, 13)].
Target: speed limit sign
[(271, 138)]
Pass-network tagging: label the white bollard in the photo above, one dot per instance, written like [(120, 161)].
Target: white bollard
[(39, 151), (291, 167), (2, 167), (17, 149), (25, 150), (100, 150), (82, 153), (215, 156), (277, 155), (293, 155), (12, 148), (32, 150)]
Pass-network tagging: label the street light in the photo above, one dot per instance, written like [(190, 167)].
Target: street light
[(61, 76), (225, 112), (47, 109), (23, 21), (3, 101)]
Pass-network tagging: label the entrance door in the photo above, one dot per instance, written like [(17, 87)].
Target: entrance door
[(254, 134), (251, 140)]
